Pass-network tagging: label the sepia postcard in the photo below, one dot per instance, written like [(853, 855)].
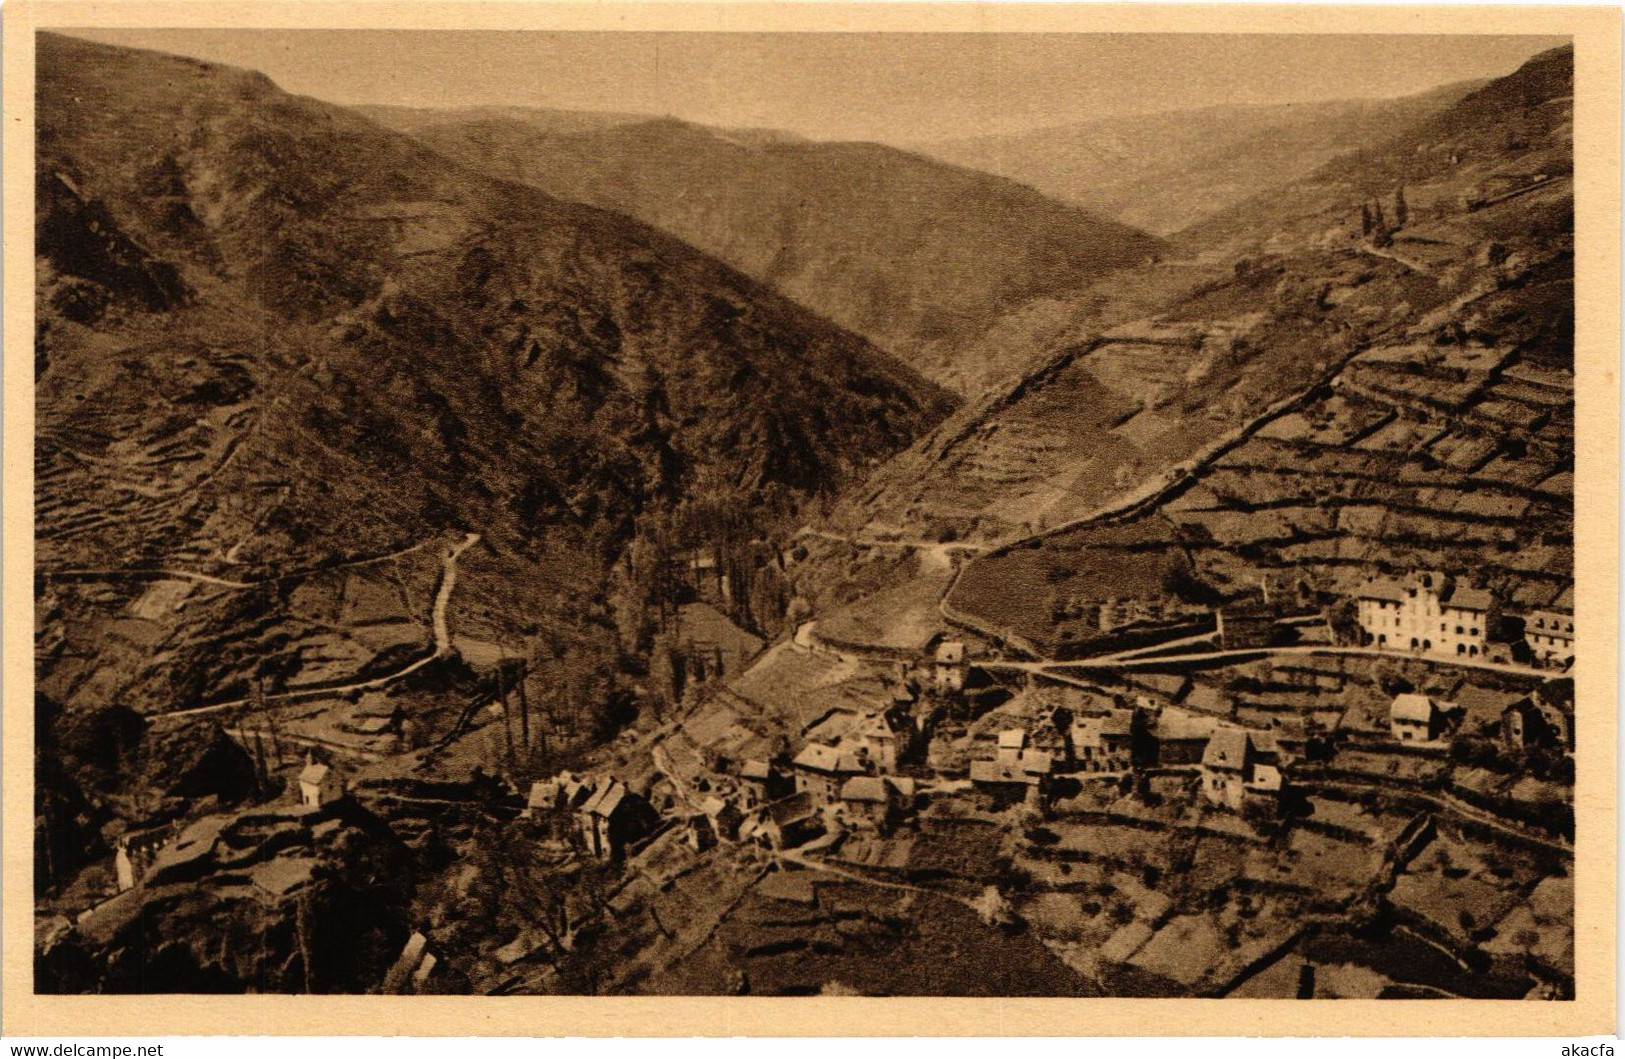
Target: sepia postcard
[(810, 519)]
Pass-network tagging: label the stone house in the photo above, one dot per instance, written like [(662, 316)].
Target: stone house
[(786, 823), (705, 574), (1012, 744), (948, 670), (763, 783), (1465, 616), (868, 802), (1416, 718), (1533, 721), (881, 739), (1181, 737), (725, 817), (1239, 765), (1104, 742), (1550, 637), (820, 770), (542, 800), (701, 833), (1027, 777), (319, 784), (613, 818), (134, 852)]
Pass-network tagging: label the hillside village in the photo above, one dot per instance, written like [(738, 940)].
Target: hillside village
[(1252, 679), (1304, 786)]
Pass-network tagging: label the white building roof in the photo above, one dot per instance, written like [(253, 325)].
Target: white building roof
[(1382, 589), (1473, 599), (1412, 707)]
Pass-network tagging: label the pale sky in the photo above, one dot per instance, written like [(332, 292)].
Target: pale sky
[(891, 87)]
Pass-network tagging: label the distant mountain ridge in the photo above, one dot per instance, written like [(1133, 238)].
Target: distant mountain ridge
[(551, 120), (919, 256), (1163, 172), (1499, 128), (547, 119)]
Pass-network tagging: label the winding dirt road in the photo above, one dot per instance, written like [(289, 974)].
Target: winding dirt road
[(442, 647)]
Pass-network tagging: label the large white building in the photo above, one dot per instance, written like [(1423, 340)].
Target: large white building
[(1427, 612)]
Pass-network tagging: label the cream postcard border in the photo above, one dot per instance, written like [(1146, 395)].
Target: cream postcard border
[(1596, 35)]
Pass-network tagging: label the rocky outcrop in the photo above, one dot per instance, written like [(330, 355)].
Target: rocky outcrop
[(274, 899)]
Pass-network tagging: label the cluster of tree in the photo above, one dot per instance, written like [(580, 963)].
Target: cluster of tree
[(516, 889), (1374, 223), (553, 701), (93, 767), (732, 537), (67, 825), (262, 738), (1182, 583)]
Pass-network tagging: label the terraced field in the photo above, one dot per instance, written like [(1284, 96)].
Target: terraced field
[(1105, 415), (1077, 572), (794, 687), (1416, 457)]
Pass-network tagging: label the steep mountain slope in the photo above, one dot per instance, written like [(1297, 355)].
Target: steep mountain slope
[(1330, 401), (1441, 435), (918, 256), (276, 338), (1511, 129), (1163, 172)]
